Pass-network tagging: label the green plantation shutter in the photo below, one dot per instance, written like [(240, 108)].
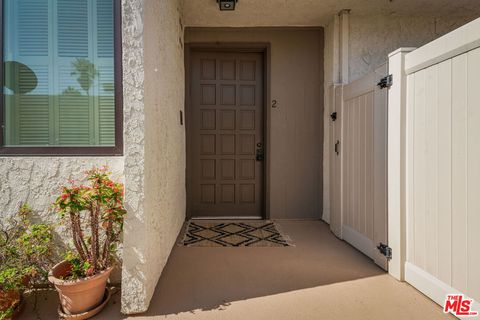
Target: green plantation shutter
[(72, 30), (28, 113), (66, 50), (106, 79), (74, 41), (104, 29), (34, 110), (74, 125), (32, 26), (106, 103)]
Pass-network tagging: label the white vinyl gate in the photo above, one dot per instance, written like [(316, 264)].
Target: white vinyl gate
[(359, 165)]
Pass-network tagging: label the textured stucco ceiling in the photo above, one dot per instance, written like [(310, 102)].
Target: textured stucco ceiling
[(205, 13)]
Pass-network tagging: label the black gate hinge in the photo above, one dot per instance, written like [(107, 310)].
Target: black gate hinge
[(385, 250), (386, 82)]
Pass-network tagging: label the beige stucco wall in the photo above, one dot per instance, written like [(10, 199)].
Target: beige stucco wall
[(281, 13), (37, 180), (371, 38), (155, 145), (134, 269), (296, 129)]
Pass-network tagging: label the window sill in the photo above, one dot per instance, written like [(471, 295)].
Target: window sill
[(60, 151)]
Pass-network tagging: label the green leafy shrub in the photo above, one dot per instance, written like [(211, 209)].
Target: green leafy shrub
[(25, 257)]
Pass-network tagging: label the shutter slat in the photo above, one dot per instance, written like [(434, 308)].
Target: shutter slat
[(73, 110), (105, 28), (106, 106), (32, 26), (33, 107), (72, 28), (33, 115)]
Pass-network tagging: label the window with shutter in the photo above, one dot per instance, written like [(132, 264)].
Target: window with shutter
[(60, 93)]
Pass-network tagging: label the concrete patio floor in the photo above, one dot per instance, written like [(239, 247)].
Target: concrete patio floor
[(320, 277)]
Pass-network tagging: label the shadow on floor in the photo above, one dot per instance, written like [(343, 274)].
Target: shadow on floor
[(210, 278), (198, 278)]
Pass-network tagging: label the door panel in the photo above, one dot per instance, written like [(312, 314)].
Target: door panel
[(361, 208), (226, 141)]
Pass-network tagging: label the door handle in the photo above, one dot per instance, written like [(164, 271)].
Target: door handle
[(337, 144), (260, 154)]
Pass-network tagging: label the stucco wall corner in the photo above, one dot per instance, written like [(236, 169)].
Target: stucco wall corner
[(165, 194), (154, 144), (134, 271)]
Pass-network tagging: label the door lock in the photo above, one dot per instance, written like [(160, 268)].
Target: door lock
[(260, 152)]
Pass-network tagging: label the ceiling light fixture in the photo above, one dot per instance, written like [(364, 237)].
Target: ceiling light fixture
[(227, 5)]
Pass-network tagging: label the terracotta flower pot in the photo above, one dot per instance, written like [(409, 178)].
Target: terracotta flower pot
[(78, 296), (10, 298), (13, 298)]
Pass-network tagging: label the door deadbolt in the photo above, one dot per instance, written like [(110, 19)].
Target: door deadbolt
[(260, 154)]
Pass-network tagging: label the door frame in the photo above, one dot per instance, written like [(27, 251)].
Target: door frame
[(236, 47)]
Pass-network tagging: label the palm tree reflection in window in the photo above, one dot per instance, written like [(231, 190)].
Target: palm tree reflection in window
[(86, 73)]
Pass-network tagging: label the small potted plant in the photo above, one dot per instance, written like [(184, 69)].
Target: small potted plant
[(94, 216), (25, 256)]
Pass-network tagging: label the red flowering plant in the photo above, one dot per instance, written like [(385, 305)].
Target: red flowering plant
[(94, 214)]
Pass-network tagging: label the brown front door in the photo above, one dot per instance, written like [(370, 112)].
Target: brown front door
[(225, 135)]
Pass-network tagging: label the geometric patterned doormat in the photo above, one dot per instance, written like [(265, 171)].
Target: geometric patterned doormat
[(259, 233)]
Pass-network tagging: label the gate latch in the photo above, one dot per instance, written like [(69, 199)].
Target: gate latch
[(385, 250), (386, 82)]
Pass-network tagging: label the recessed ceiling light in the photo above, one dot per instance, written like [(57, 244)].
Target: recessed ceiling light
[(227, 5)]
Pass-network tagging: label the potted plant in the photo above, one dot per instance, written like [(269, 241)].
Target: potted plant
[(94, 216), (25, 252)]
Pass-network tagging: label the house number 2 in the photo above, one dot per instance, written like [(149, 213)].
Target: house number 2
[(274, 103)]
